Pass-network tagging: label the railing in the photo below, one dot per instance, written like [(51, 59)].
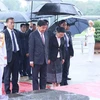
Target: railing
[(79, 43)]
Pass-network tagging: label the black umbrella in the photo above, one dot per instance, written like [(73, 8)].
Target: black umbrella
[(35, 17), (54, 1), (56, 9), (18, 16)]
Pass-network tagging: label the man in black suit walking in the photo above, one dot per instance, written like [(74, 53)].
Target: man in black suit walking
[(38, 54), (13, 48)]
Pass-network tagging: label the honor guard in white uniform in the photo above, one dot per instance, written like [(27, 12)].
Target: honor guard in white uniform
[(90, 40), (3, 58)]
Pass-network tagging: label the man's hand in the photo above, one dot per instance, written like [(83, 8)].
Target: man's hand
[(71, 56), (27, 55), (5, 57), (32, 64), (49, 61), (63, 61)]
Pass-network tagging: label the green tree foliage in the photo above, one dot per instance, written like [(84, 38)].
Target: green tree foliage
[(97, 33)]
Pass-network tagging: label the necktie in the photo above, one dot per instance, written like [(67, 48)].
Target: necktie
[(65, 41), (14, 43), (42, 38)]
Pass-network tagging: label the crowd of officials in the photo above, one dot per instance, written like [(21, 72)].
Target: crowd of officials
[(33, 50)]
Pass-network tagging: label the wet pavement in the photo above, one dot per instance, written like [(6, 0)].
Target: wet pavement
[(81, 71)]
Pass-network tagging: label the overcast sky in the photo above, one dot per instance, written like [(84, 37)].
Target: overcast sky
[(24, 3)]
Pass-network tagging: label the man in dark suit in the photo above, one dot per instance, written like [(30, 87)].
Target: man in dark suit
[(23, 58), (69, 52), (13, 51), (38, 55), (28, 31)]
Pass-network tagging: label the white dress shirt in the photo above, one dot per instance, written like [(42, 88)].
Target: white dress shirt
[(42, 34), (17, 47), (67, 40), (59, 43)]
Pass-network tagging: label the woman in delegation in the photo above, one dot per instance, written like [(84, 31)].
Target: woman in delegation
[(56, 57)]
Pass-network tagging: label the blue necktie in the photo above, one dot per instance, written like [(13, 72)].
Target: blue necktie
[(14, 43), (66, 41)]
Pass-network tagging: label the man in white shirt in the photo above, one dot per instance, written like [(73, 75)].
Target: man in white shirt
[(13, 51)]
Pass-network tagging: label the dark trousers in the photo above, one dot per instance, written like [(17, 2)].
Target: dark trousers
[(23, 64), (43, 76), (28, 68), (66, 66), (12, 67)]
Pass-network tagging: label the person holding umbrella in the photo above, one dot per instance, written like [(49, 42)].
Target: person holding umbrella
[(56, 57), (90, 40), (69, 52)]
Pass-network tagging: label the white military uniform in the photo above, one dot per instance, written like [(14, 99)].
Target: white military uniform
[(3, 58), (90, 43)]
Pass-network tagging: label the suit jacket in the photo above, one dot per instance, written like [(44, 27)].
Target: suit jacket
[(70, 48), (23, 43), (38, 52), (54, 48), (9, 43), (28, 32)]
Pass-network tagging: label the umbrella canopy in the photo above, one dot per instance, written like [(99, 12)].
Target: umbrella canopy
[(56, 9), (3, 7), (36, 17), (56, 1), (1, 26), (18, 16), (77, 25)]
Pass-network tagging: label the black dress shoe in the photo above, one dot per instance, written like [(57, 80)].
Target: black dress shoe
[(13, 92), (25, 74), (2, 81), (65, 83), (68, 78), (21, 75), (30, 77), (8, 92)]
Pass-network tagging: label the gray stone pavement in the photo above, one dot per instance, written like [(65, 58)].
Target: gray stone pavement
[(81, 70)]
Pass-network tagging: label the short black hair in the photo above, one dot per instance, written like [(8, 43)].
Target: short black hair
[(61, 22), (41, 23), (27, 24), (21, 25), (60, 29), (46, 21), (69, 24), (10, 18), (34, 24)]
